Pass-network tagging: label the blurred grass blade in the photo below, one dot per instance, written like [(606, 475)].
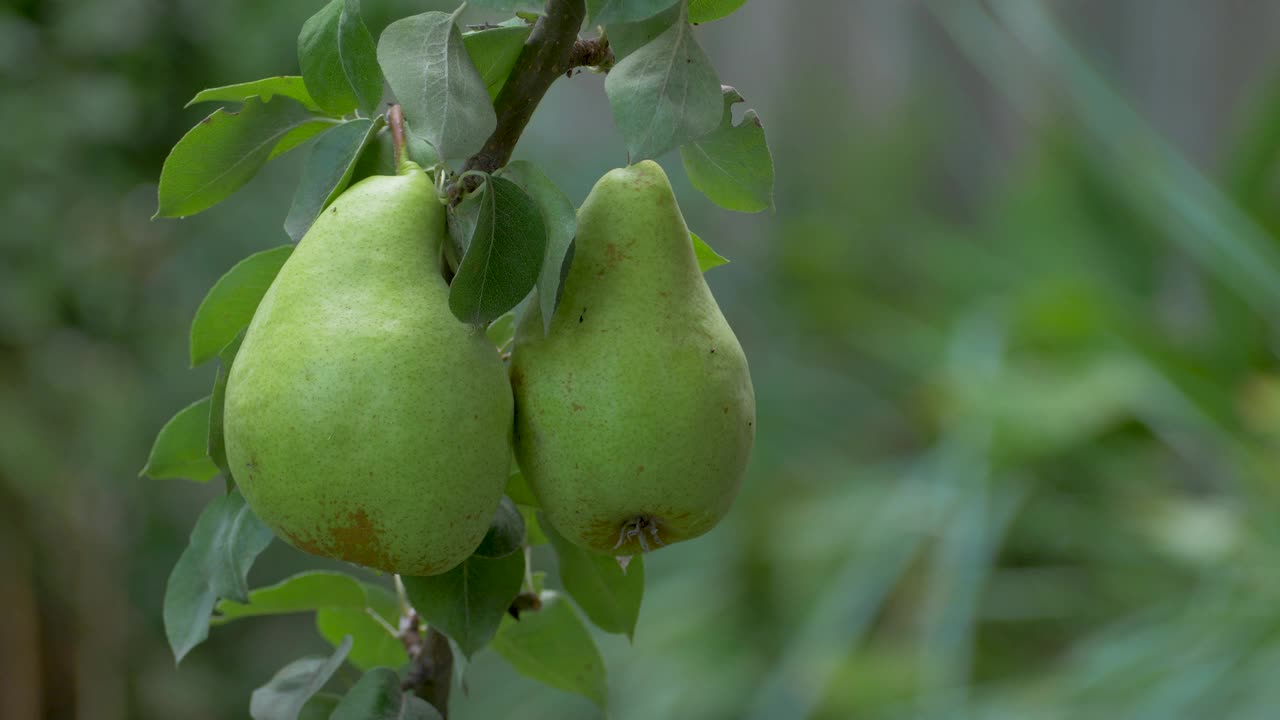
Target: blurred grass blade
[(1179, 200), (846, 609), (964, 561), (1254, 158)]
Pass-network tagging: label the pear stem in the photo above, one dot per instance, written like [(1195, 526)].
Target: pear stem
[(395, 118)]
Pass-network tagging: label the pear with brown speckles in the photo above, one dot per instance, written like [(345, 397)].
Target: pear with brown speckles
[(635, 413), (363, 421)]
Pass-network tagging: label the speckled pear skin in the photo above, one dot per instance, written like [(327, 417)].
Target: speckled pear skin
[(635, 414), (363, 421)]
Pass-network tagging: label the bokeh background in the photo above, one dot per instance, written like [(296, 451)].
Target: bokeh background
[(1012, 328)]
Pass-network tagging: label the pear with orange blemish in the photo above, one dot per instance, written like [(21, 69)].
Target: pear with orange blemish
[(363, 421), (635, 413)]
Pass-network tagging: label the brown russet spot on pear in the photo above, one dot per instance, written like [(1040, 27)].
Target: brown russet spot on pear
[(631, 434), (363, 421)]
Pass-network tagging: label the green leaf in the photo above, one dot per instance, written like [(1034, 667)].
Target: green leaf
[(707, 258), (606, 12), (703, 11), (327, 172), (626, 38), (501, 331), (442, 93), (377, 696), (287, 693), (300, 135), (468, 602), (303, 592), (609, 596), (509, 6), (732, 166), (320, 706), (518, 490), (377, 157), (553, 646), (229, 306), (532, 531), (373, 643), (344, 606), (461, 220), (226, 540), (664, 94), (561, 223), (504, 255), (290, 86), (419, 150), (505, 534), (225, 150), (538, 579), (494, 52), (217, 402), (339, 61), (181, 450)]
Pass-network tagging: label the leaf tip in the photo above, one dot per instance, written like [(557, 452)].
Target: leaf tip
[(179, 652)]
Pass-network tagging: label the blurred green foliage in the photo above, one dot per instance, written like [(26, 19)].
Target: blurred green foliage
[(1013, 341)]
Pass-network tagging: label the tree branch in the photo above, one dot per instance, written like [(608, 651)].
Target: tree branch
[(546, 55), (430, 673)]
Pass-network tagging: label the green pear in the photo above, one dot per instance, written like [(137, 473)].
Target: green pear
[(363, 421), (635, 413)]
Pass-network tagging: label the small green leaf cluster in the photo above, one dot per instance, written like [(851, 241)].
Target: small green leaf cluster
[(511, 233)]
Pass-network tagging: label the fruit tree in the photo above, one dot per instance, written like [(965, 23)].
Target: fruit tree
[(451, 363)]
